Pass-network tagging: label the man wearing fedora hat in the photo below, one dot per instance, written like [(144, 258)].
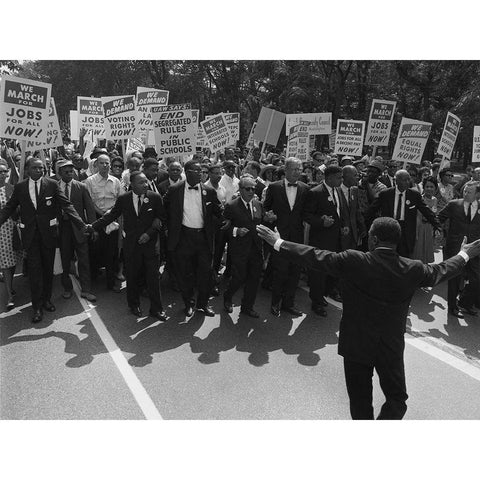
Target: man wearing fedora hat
[(73, 239)]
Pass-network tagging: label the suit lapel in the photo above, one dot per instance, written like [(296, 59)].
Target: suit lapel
[(181, 192), (284, 194), (203, 196)]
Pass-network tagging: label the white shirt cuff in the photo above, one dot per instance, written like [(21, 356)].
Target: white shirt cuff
[(464, 255), (277, 244), (235, 231)]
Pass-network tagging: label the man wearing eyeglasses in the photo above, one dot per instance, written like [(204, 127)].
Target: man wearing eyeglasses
[(244, 213)]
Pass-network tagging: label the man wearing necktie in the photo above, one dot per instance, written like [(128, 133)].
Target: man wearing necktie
[(323, 211), (464, 216), (143, 214), (150, 169), (191, 209), (402, 203), (40, 200), (72, 240)]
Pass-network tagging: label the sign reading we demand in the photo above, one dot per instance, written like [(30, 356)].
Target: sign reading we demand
[(119, 113), (411, 140), (24, 108)]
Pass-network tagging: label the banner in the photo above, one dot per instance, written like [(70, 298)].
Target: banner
[(119, 113), (476, 145), (74, 129), (233, 122), (145, 99), (269, 126), (90, 116), (411, 140), (54, 134), (24, 107), (175, 130), (449, 136), (251, 142), (380, 122), (349, 138), (216, 132), (320, 123)]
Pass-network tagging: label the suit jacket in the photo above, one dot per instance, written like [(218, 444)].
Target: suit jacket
[(319, 203), (44, 217), (385, 179), (460, 225), (211, 207), (377, 288), (163, 187), (135, 225), (83, 204), (414, 202), (236, 212), (289, 221), (353, 219)]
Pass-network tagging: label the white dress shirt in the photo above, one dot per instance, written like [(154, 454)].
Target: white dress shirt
[(192, 207), (31, 190), (474, 210), (332, 192), (395, 204), (104, 191), (221, 192), (291, 193)]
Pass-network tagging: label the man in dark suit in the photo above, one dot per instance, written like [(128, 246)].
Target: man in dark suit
[(324, 211), (286, 200), (150, 170), (143, 213), (353, 224), (464, 216), (191, 208), (402, 203), (254, 169), (73, 240), (244, 213), (174, 175), (39, 199), (378, 287), (388, 177)]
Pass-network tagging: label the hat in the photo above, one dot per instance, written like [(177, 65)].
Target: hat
[(377, 164), (63, 163), (97, 152)]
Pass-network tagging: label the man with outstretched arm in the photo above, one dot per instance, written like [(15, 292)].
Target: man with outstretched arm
[(378, 287)]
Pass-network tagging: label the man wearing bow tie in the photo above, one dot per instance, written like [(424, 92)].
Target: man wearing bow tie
[(191, 208), (143, 213), (464, 216), (286, 199)]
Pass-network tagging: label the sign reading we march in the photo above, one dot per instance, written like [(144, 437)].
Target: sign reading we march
[(24, 107), (175, 129), (411, 140), (217, 132), (119, 113), (90, 116), (349, 137), (54, 134), (449, 136), (380, 122)]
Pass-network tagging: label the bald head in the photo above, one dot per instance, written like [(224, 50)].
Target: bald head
[(350, 176), (402, 179)]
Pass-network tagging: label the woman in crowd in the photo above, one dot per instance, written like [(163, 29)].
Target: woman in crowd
[(8, 255), (116, 167), (445, 191), (424, 244)]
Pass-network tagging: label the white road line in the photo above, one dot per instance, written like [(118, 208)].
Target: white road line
[(138, 390), (15, 310)]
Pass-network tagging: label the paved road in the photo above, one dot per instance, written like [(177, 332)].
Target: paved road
[(100, 362)]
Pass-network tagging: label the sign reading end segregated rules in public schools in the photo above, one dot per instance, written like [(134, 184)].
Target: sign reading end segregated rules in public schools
[(449, 136), (349, 138), (411, 140), (380, 123), (24, 108)]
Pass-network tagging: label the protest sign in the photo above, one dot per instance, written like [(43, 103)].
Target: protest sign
[(216, 132), (74, 129), (380, 122), (269, 126), (331, 139), (251, 142), (449, 136), (174, 129), (145, 99), (233, 122), (54, 135), (298, 141), (411, 140), (90, 116), (135, 144), (119, 113), (476, 145), (319, 123), (349, 138), (24, 107)]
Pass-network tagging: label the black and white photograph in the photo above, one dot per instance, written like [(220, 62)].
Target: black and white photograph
[(239, 239)]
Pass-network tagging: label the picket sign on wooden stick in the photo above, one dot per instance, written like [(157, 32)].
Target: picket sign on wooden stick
[(266, 134), (124, 145), (374, 153), (22, 159)]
